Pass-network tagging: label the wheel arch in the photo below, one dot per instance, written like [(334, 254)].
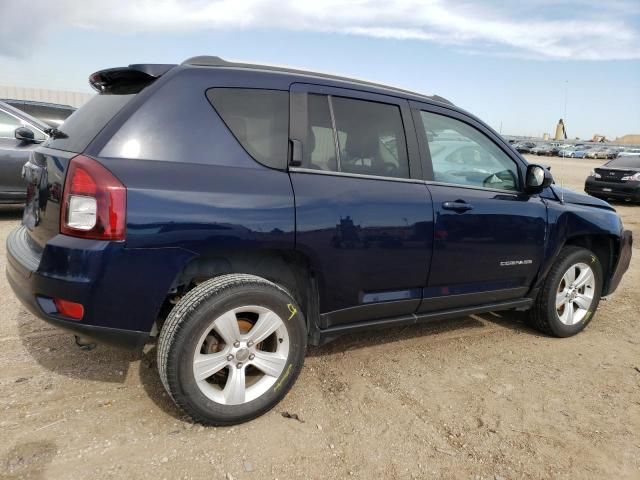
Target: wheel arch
[(605, 246), (291, 270)]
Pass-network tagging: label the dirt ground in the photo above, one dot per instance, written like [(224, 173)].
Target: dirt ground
[(477, 397)]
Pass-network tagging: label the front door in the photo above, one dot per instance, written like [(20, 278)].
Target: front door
[(489, 235), (363, 214)]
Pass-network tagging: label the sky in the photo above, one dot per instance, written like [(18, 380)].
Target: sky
[(512, 65)]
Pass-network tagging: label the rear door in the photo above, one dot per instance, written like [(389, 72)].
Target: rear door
[(489, 235), (363, 213)]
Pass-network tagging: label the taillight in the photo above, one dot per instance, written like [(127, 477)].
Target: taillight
[(94, 202)]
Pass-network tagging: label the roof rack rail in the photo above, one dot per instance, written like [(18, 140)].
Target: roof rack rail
[(215, 61)]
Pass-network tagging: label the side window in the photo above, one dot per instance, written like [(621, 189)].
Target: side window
[(38, 135), (259, 119), (8, 125), (320, 146), (460, 154), (370, 137)]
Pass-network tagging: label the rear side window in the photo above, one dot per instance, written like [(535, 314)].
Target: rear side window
[(86, 122), (8, 124), (369, 137), (259, 119), (320, 145)]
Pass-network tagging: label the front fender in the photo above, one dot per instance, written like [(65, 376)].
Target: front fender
[(568, 222)]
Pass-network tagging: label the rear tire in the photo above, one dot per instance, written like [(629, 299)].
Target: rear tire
[(231, 349), (569, 295)]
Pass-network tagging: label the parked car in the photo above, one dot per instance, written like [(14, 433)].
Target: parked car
[(546, 150), (629, 152), (567, 152), (581, 152), (606, 153), (539, 148), (52, 114), (19, 135), (240, 212), (524, 147), (618, 179)]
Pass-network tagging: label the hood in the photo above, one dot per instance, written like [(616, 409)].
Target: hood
[(569, 196)]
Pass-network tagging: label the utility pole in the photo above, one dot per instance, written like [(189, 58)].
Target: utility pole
[(566, 90)]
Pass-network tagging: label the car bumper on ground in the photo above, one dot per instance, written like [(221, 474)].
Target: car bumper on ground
[(625, 190), (36, 290)]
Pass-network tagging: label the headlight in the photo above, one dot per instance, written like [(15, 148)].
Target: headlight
[(634, 177), (595, 174)]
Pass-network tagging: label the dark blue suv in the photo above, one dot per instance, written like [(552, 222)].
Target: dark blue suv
[(239, 212)]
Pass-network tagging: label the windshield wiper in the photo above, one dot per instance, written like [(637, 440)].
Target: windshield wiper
[(53, 132)]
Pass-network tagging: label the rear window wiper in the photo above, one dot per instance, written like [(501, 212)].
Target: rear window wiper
[(55, 133)]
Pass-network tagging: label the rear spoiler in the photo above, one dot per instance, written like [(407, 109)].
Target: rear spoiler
[(126, 80)]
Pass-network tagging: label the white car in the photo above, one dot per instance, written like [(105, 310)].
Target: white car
[(631, 152)]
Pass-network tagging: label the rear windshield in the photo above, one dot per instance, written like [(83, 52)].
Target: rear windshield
[(86, 122), (625, 162)]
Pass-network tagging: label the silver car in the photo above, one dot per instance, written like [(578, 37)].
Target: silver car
[(20, 133)]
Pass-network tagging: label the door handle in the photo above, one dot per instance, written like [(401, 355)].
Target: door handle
[(459, 206)]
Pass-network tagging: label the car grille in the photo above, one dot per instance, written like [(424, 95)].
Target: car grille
[(608, 175)]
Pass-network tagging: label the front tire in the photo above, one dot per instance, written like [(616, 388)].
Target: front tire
[(570, 294), (231, 349)]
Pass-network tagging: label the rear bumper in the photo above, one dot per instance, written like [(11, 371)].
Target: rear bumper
[(121, 302), (624, 259), (112, 336), (626, 190)]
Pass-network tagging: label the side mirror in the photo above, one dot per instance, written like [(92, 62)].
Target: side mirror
[(25, 135), (538, 178)]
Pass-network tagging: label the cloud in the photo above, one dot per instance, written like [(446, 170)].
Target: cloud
[(545, 29)]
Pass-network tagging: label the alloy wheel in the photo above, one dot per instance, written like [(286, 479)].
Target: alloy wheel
[(575, 294), (241, 355)]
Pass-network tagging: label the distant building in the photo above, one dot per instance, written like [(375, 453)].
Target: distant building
[(74, 99), (561, 132), (545, 136), (628, 140)]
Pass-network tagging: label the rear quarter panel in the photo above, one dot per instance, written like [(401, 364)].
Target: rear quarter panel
[(192, 190)]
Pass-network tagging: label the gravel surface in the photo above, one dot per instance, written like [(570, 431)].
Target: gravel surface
[(476, 397)]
